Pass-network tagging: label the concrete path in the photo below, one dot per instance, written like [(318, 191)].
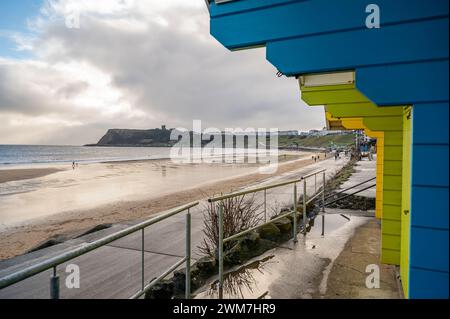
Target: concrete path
[(329, 266), (348, 275), (332, 265), (114, 271), (364, 170), (290, 271)]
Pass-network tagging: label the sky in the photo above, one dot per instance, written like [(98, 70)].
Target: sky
[(72, 69)]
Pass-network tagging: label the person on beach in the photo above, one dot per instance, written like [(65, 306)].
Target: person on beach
[(73, 165)]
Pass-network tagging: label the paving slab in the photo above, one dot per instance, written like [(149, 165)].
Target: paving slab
[(347, 278)]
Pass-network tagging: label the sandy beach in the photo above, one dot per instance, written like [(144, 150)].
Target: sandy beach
[(9, 175), (19, 239)]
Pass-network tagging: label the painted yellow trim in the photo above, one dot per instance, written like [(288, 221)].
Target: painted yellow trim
[(355, 111), (333, 123), (358, 124)]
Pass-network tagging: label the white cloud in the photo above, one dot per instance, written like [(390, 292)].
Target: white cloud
[(137, 64)]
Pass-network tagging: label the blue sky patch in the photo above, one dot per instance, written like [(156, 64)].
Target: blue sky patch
[(13, 19)]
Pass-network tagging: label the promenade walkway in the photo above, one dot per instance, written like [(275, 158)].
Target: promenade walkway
[(332, 265)]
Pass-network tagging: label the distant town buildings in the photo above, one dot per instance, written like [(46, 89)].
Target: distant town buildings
[(289, 133), (324, 132)]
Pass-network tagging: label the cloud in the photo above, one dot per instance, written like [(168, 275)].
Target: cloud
[(72, 89), (140, 64)]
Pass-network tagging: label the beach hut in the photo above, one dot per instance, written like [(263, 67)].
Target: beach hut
[(382, 68)]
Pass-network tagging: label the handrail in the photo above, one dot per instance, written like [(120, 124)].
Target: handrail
[(262, 188), (314, 173), (156, 280), (351, 187), (293, 212), (30, 271), (348, 195)]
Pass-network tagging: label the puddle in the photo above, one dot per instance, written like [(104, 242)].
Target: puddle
[(332, 223), (242, 283), (291, 270)]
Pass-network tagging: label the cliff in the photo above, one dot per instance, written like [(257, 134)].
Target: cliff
[(160, 137), (125, 137)]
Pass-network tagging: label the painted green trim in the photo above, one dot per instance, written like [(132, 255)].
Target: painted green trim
[(332, 94), (406, 201), (361, 110), (333, 97), (390, 256), (388, 123), (327, 88)]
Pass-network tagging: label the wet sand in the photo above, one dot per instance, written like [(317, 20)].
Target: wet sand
[(16, 241), (9, 175)]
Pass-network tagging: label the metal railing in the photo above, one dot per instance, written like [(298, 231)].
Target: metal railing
[(347, 189), (53, 262), (305, 201)]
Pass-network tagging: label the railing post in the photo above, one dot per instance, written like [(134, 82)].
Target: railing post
[(323, 203), (315, 184), (220, 250), (323, 225), (54, 285), (142, 259), (265, 205), (304, 207), (323, 191), (188, 255), (294, 225)]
